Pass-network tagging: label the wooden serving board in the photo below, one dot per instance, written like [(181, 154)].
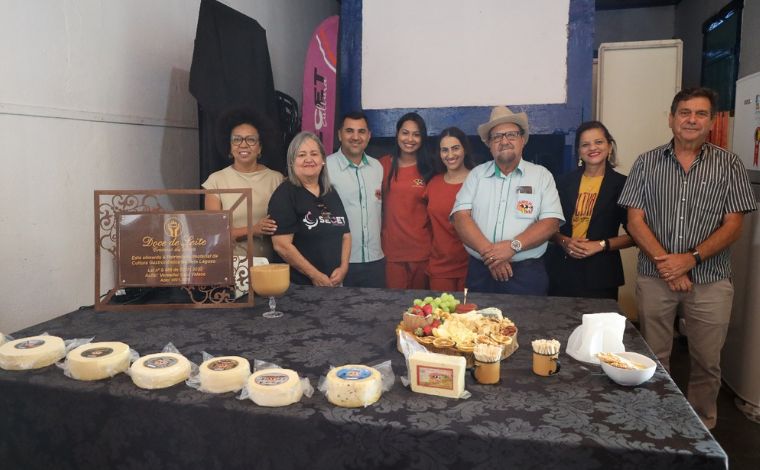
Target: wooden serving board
[(453, 351)]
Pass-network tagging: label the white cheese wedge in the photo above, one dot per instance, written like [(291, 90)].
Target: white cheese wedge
[(437, 374), (224, 374), (274, 387), (353, 386), (33, 352), (96, 361), (160, 370)]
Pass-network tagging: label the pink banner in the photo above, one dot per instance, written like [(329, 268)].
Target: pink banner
[(320, 93)]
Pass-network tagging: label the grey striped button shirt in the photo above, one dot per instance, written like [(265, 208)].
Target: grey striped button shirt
[(684, 208)]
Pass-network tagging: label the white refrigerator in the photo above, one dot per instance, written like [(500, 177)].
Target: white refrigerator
[(741, 354)]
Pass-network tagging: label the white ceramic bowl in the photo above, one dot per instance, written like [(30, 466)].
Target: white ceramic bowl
[(631, 377)]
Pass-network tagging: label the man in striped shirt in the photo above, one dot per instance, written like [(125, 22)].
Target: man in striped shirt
[(686, 201)]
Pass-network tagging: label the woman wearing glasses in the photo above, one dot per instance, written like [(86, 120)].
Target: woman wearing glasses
[(240, 134), (406, 233), (447, 268), (312, 233), (585, 258)]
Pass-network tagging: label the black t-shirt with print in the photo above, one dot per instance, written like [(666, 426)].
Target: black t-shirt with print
[(317, 225)]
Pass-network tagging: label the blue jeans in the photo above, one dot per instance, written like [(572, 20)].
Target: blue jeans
[(529, 278)]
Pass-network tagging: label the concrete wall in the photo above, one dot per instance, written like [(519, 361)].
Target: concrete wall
[(749, 54), (93, 95), (634, 24), (682, 21), (690, 14)]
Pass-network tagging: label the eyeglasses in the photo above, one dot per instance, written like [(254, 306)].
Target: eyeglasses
[(237, 140), (511, 136)]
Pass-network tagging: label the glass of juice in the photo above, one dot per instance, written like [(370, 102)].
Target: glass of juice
[(271, 280)]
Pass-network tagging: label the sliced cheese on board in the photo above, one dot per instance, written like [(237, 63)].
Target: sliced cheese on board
[(437, 374), (160, 370), (96, 361), (275, 387), (353, 386), (224, 374), (33, 352)]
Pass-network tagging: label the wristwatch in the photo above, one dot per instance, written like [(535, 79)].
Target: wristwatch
[(516, 245), (603, 244), (696, 255)]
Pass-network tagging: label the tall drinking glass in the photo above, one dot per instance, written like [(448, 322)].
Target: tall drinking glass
[(271, 280)]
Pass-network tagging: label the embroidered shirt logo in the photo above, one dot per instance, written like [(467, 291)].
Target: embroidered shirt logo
[(418, 183), (524, 206)]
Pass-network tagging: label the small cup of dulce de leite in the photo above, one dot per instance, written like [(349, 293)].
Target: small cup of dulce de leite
[(464, 308)]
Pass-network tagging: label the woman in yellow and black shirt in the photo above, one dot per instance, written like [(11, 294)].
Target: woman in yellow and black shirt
[(584, 260)]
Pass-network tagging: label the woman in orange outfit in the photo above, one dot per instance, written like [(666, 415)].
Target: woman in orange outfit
[(406, 228), (447, 268)]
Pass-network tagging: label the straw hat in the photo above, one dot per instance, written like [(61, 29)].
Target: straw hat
[(502, 115)]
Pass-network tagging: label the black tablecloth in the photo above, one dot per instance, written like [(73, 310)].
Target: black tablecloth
[(576, 419)]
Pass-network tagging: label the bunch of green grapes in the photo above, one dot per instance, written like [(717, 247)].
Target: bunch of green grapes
[(445, 302)]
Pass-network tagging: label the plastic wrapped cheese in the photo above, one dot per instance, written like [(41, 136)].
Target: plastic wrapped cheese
[(437, 374), (33, 352), (353, 386), (274, 387), (96, 361), (224, 374), (160, 370)]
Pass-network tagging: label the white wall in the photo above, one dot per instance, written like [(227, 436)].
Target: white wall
[(94, 95), (434, 53), (289, 25)]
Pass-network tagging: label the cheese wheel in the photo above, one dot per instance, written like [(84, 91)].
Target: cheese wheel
[(95, 361), (274, 387), (437, 374), (33, 352), (354, 385), (224, 374), (160, 370)]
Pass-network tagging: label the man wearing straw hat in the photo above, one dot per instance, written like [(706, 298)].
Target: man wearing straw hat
[(506, 211)]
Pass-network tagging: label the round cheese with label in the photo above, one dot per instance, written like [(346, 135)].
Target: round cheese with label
[(224, 374), (353, 386), (160, 370), (95, 361), (275, 387), (33, 352)]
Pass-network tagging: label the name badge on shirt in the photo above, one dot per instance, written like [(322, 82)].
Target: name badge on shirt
[(525, 190)]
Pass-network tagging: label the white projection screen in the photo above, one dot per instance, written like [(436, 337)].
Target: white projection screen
[(442, 53)]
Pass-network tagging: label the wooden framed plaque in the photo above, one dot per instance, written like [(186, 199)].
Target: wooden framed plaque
[(168, 258)]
